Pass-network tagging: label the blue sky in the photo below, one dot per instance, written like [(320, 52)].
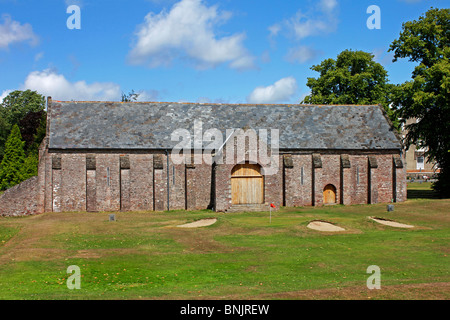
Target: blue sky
[(232, 51)]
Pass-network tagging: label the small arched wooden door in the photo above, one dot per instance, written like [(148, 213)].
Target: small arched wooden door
[(329, 194), (247, 184)]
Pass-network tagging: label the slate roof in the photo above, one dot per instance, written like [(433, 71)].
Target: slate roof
[(149, 125)]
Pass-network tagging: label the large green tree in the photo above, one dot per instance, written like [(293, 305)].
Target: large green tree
[(15, 106), (12, 166), (426, 97), (353, 78), (33, 129)]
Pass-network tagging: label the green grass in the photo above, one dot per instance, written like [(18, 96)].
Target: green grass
[(7, 233), (421, 190), (243, 256)]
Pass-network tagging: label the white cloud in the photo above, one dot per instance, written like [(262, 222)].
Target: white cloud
[(50, 83), (301, 54), (147, 95), (38, 56), (328, 6), (280, 91), (382, 56), (318, 20), (186, 31), (274, 29), (12, 31), (4, 94)]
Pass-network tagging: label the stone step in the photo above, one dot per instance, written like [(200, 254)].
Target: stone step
[(249, 208)]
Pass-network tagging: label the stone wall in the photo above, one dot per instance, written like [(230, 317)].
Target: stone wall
[(22, 199), (358, 178), (133, 181)]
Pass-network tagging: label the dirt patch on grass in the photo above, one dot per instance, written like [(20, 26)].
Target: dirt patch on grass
[(198, 242), (391, 223), (25, 245), (198, 223), (87, 254), (416, 291), (32, 254), (324, 226)]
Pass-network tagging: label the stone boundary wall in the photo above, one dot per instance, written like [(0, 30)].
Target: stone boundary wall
[(21, 200)]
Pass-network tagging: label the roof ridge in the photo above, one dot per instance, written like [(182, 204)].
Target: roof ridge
[(231, 104)]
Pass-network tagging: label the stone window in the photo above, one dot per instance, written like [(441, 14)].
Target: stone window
[(357, 175), (301, 177)]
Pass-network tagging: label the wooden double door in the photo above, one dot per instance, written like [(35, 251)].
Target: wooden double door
[(247, 184)]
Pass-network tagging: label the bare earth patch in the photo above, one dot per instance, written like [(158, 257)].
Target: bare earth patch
[(414, 291), (391, 223), (199, 223), (324, 226)]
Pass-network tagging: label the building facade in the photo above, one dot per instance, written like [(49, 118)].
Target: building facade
[(110, 156), (418, 165)]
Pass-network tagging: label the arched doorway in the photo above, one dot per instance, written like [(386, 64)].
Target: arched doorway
[(247, 184), (329, 194)]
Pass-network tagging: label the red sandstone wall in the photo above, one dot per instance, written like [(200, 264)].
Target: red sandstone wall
[(223, 187), (382, 180), (108, 182), (358, 191), (22, 199), (73, 182), (328, 174), (352, 184), (144, 187), (198, 186), (141, 182), (298, 189)]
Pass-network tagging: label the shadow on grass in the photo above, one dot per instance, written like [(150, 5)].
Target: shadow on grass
[(422, 190), (422, 194)]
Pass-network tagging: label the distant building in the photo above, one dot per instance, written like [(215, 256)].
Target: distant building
[(417, 164)]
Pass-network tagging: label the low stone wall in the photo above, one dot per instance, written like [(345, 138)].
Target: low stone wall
[(20, 200)]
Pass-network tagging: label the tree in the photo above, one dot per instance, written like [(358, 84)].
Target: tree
[(353, 78), (12, 165), (426, 97), (132, 96), (32, 128), (30, 166), (14, 107)]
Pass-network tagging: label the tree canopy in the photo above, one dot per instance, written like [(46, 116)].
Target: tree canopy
[(353, 78), (12, 165), (15, 106), (426, 97)]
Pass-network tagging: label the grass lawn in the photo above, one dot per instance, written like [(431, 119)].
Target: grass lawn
[(143, 255)]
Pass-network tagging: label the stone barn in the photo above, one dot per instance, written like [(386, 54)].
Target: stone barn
[(111, 156)]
